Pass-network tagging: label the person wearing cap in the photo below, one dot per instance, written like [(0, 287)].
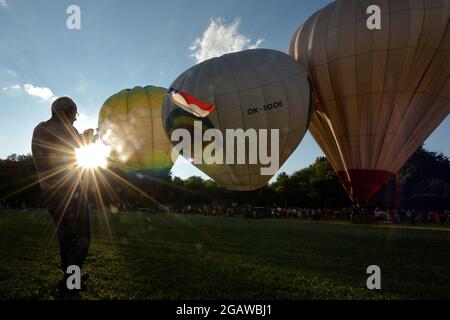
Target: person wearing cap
[(53, 148)]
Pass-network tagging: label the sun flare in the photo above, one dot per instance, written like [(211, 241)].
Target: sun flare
[(94, 155)]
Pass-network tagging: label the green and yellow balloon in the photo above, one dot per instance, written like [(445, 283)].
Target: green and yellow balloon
[(130, 123)]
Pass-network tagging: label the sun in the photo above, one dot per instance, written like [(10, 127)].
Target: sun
[(92, 156)]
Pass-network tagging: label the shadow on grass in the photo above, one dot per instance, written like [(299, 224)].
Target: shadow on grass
[(168, 256)]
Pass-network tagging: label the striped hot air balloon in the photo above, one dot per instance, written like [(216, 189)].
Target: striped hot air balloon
[(379, 93)]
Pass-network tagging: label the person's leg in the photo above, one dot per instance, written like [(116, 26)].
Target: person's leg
[(74, 235), (72, 223), (63, 234), (80, 231), (64, 239)]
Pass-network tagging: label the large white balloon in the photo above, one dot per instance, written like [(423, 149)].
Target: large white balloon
[(259, 89)]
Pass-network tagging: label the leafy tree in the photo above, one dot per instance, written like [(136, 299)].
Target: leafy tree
[(424, 182)]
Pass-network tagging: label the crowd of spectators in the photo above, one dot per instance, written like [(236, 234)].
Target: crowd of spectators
[(396, 216)]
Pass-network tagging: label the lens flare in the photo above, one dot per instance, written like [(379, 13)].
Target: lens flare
[(94, 155)]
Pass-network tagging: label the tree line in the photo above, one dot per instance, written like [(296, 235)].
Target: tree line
[(423, 183)]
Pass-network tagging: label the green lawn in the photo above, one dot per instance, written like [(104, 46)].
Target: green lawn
[(170, 256)]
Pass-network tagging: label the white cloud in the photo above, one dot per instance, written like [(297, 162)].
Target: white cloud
[(3, 4), (9, 72), (13, 88), (221, 38), (43, 93)]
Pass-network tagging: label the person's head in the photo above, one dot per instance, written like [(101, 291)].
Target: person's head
[(64, 110)]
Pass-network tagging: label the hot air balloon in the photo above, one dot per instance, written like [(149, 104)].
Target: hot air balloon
[(252, 89), (130, 123), (378, 93)]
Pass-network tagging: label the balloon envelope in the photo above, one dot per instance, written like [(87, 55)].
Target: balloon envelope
[(378, 93), (252, 89), (130, 122)]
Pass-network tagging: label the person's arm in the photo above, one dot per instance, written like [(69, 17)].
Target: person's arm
[(88, 136)]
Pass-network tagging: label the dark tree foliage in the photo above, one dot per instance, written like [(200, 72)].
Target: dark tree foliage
[(424, 182), (19, 182)]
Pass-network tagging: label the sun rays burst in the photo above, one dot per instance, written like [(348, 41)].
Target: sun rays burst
[(93, 155)]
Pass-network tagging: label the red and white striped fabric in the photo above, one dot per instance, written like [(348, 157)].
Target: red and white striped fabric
[(190, 104)]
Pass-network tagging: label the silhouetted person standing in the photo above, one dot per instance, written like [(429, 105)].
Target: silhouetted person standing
[(53, 147)]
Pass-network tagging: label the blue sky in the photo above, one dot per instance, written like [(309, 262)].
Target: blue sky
[(122, 44)]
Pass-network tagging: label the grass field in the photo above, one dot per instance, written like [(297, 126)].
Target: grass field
[(170, 256)]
